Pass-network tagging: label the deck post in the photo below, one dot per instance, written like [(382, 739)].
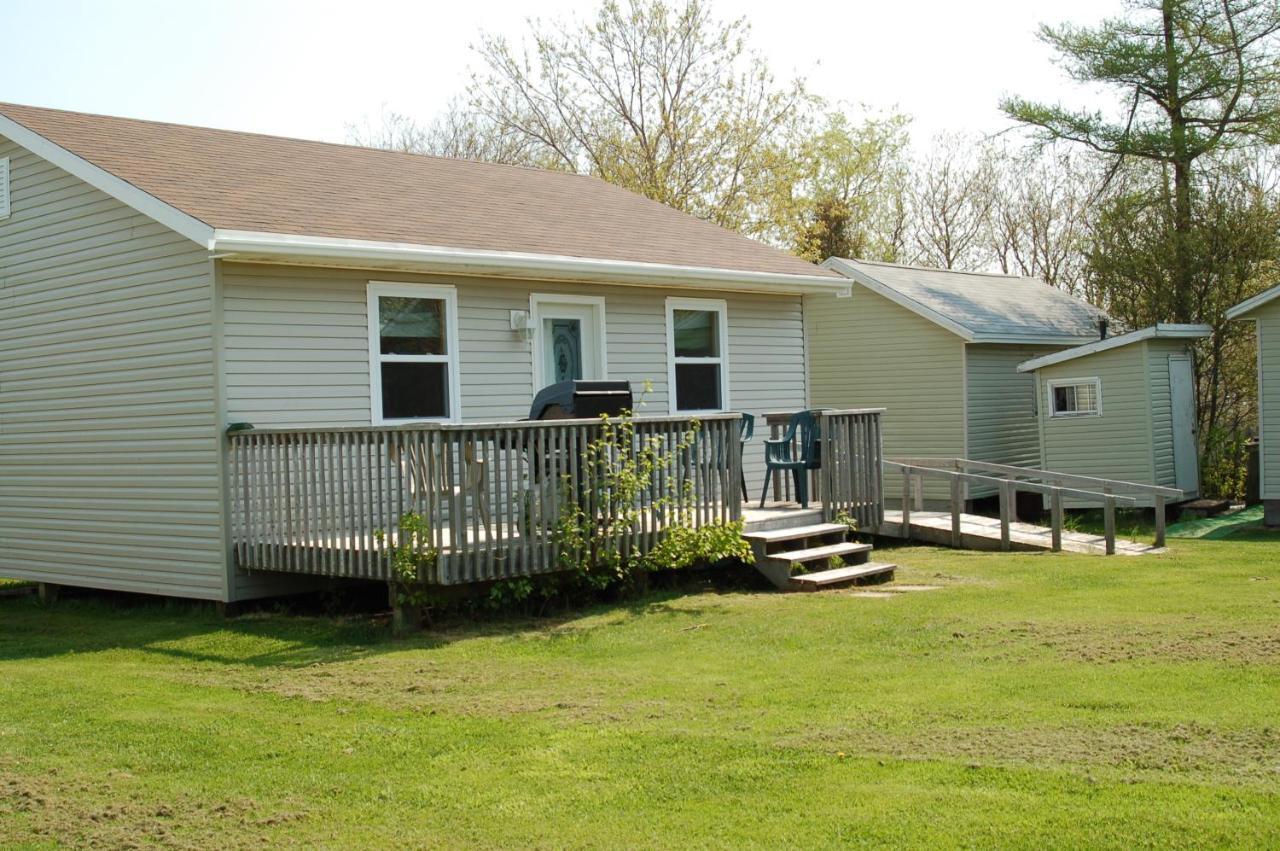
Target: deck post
[(956, 512), (1004, 516), (906, 503), (1159, 520), (1109, 521), (48, 592), (405, 618), (1055, 522)]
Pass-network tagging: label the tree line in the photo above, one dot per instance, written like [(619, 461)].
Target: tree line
[(1164, 206)]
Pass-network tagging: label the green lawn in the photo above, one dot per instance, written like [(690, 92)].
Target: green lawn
[(1033, 701)]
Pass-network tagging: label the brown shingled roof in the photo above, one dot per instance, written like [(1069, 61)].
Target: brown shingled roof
[(245, 181)]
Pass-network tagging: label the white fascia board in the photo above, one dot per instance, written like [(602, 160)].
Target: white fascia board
[(123, 191), (836, 264), (249, 246), (1253, 303), (1153, 332)]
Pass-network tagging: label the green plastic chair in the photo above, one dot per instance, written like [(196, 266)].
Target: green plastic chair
[(802, 434)]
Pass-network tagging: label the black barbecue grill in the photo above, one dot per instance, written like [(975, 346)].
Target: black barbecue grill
[(569, 400)]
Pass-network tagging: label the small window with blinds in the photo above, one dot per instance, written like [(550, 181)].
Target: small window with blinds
[(1077, 397), (4, 187), (413, 353)]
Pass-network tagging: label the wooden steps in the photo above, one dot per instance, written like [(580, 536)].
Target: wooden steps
[(841, 575), (792, 533), (781, 547), (826, 552)]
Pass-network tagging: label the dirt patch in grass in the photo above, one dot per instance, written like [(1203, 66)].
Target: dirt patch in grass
[(116, 813), (1193, 750), (1109, 644)]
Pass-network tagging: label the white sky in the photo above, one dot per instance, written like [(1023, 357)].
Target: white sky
[(308, 68)]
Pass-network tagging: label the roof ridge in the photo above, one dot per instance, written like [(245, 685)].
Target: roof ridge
[(296, 139), (948, 271)]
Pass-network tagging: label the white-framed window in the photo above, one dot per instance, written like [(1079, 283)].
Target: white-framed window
[(413, 352), (1075, 397), (697, 354), (4, 187)]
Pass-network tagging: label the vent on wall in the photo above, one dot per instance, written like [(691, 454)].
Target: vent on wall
[(4, 187)]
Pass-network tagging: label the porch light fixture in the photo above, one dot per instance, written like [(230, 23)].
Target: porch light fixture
[(521, 325)]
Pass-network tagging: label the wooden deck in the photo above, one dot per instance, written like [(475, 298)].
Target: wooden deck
[(489, 495), (983, 533)]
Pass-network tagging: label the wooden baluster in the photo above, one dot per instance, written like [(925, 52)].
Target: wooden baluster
[(1160, 520), (906, 503), (957, 511), (360, 500), (1005, 543), (1055, 518), (1109, 521)]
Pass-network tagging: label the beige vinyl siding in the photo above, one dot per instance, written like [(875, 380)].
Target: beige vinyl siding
[(1002, 406), (296, 346), (109, 448), (1115, 445), (866, 351), (1157, 355), (1268, 325)]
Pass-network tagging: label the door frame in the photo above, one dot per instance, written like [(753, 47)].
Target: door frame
[(1194, 461), (541, 305)]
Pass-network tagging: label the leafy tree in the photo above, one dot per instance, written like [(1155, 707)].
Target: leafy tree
[(951, 203), (1195, 76), (1041, 209), (838, 189), (664, 101)]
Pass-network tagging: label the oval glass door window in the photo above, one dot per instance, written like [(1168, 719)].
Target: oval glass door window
[(564, 354)]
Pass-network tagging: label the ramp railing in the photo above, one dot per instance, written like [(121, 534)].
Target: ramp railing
[(1008, 480)]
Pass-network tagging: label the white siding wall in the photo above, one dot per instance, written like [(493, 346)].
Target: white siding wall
[(109, 448), (296, 347), (1268, 323), (866, 351)]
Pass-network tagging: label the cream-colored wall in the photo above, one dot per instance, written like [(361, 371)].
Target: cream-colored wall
[(296, 346), (867, 352), (110, 472), (1115, 445)]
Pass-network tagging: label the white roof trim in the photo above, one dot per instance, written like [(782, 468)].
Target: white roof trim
[(123, 191), (1253, 303), (250, 246), (1159, 331)]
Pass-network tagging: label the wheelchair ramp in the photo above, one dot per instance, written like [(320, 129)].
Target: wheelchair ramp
[(983, 533)]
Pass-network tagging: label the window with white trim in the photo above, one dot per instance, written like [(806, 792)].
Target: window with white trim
[(413, 352), (697, 343), (4, 187), (1078, 397)]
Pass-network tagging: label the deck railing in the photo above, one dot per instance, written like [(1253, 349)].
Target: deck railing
[(849, 480), (330, 501)]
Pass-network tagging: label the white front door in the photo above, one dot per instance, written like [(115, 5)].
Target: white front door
[(1186, 463), (568, 340)]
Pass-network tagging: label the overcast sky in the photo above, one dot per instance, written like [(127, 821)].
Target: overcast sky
[(309, 68)]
